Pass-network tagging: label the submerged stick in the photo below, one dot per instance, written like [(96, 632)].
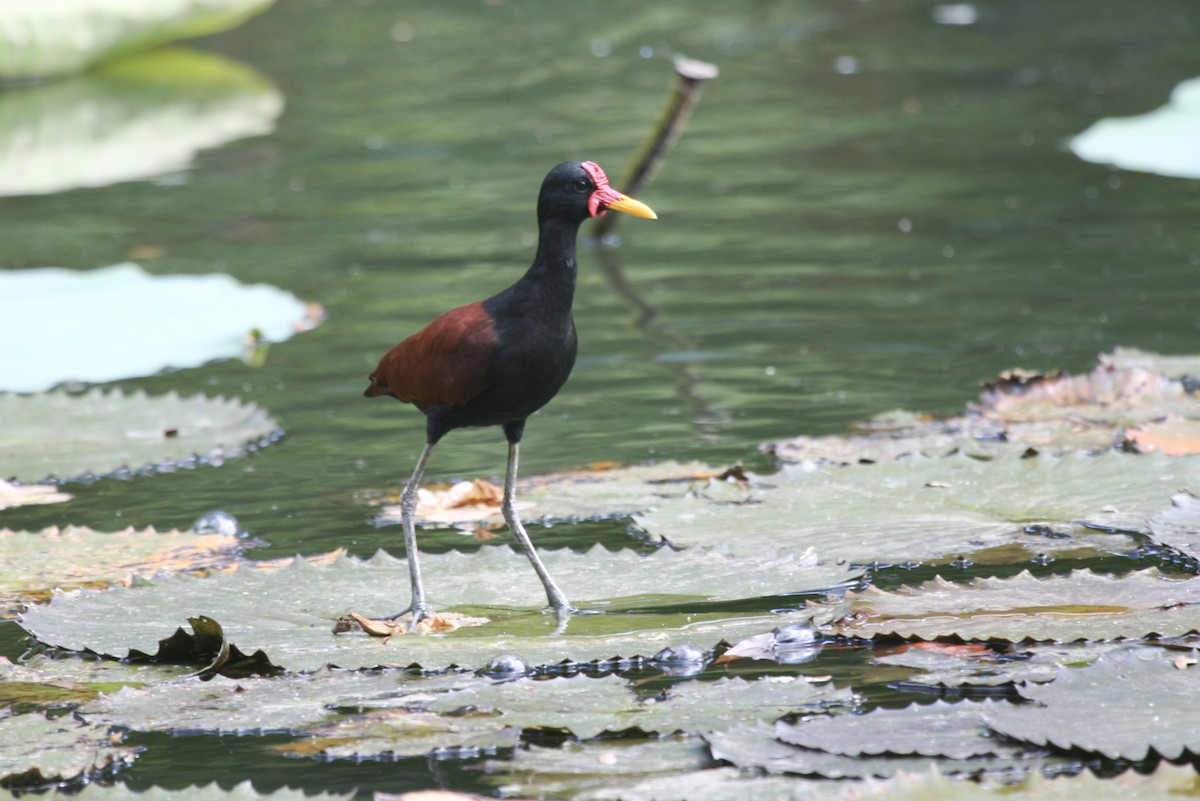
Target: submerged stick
[(690, 76)]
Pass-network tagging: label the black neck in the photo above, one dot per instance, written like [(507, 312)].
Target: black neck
[(552, 274)]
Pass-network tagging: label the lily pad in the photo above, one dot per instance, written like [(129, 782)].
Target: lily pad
[(263, 704), (295, 629), (492, 714), (1080, 606), (599, 492), (1170, 366), (46, 39), (576, 767), (40, 750), (210, 792), (122, 322), (717, 784), (940, 729), (1159, 141), (34, 564), (101, 433), (1166, 782), (755, 745), (1050, 413), (1179, 526), (946, 669), (923, 509), (1138, 703)]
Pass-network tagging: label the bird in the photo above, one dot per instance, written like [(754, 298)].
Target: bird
[(495, 362)]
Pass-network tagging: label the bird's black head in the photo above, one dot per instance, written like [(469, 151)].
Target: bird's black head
[(576, 190)]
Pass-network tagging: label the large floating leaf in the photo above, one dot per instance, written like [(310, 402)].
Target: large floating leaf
[(294, 629), (940, 729), (1080, 606), (606, 768), (138, 118), (1054, 413), (601, 492), (716, 784), (122, 322), (41, 749), (1166, 782), (98, 433), (258, 705), (756, 746), (33, 564), (209, 792), (1179, 526), (1160, 141), (927, 509), (46, 39), (481, 713), (948, 668), (1123, 706)]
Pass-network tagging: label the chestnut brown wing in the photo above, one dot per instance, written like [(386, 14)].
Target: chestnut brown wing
[(445, 362)]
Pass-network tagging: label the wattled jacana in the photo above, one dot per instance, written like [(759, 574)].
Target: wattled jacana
[(497, 361)]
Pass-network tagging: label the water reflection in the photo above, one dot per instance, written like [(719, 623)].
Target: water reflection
[(142, 117)]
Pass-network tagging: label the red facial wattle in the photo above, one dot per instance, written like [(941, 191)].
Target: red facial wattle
[(604, 197)]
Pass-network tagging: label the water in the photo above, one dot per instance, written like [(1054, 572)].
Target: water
[(869, 210)]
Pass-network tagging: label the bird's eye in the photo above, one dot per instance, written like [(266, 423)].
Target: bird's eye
[(582, 185)]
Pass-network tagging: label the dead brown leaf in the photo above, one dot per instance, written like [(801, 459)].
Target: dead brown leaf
[(1174, 436)]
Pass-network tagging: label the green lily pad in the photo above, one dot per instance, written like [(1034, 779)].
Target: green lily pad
[(1179, 526), (1039, 662), (259, 705), (122, 322), (579, 767), (40, 750), (1166, 782), (940, 729), (1138, 702), (921, 509), (575, 495), (294, 630), (1080, 606), (35, 564), (717, 784), (210, 792), (755, 746), (44, 39), (101, 433), (1159, 141), (1051, 414)]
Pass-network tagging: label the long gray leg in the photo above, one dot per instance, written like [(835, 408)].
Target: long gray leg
[(554, 595), (408, 512)]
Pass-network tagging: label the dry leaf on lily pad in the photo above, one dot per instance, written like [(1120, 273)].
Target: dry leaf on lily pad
[(1174, 436), (1035, 662), (104, 432), (933, 509), (35, 564), (596, 493), (1130, 704), (14, 495), (1080, 606), (289, 612)]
